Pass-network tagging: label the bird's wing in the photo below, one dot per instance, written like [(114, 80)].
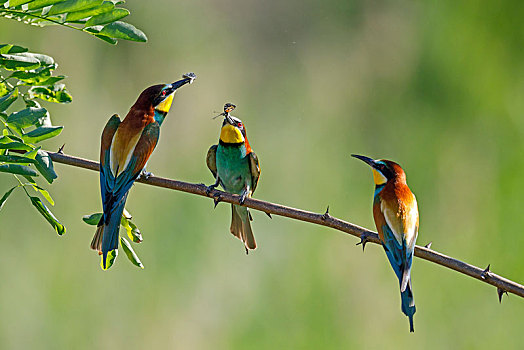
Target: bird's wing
[(106, 177), (211, 160), (400, 232), (143, 149), (254, 168)]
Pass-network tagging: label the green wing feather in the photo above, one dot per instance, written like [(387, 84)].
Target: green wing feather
[(211, 160), (254, 167)]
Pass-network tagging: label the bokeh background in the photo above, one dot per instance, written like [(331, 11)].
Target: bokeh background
[(436, 86)]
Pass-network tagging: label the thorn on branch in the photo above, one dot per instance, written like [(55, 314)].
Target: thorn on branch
[(217, 199), (364, 238), (269, 214), (61, 149), (326, 214), (501, 292), (485, 273), (428, 245)]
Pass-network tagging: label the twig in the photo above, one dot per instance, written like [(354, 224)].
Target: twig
[(484, 275)]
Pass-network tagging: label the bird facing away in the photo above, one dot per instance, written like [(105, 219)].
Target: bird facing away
[(124, 151), (235, 167), (396, 217)]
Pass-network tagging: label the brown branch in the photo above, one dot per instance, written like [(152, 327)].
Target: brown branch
[(502, 284)]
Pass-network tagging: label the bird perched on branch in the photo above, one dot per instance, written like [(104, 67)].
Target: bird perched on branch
[(396, 216), (235, 167), (124, 151)]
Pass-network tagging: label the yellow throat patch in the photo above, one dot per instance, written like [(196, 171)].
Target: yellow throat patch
[(378, 177), (230, 134), (165, 105)]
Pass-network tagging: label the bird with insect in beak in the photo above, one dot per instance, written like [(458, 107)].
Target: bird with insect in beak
[(396, 216), (235, 167), (125, 148)]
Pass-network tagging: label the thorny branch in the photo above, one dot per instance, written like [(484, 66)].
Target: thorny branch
[(485, 275)]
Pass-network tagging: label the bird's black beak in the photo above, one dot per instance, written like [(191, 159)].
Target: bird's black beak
[(229, 119), (187, 78), (369, 161)]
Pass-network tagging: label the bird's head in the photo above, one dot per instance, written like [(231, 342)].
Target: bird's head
[(160, 97), (383, 170), (233, 130)]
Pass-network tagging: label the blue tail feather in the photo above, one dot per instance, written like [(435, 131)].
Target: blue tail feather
[(111, 229), (408, 305), (400, 257)]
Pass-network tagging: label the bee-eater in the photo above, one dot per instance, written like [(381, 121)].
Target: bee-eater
[(124, 151), (396, 216), (235, 167)]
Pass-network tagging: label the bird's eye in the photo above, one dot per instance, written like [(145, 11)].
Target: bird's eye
[(163, 93), (240, 125)]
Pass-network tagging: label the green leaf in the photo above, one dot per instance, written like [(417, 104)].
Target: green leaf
[(8, 48), (5, 196), (8, 100), (16, 159), (135, 234), (44, 165), (26, 117), (132, 231), (32, 154), (15, 145), (92, 219), (57, 94), (17, 169), (14, 3), (73, 5), (110, 260), (44, 193), (46, 213), (41, 76), (3, 89), (25, 61), (38, 4), (107, 17), (18, 62), (107, 39), (75, 16), (42, 133), (94, 29), (123, 30), (131, 255)]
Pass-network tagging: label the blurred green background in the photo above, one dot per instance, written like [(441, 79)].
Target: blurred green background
[(436, 86)]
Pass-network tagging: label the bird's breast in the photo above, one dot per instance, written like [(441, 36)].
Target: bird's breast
[(232, 167)]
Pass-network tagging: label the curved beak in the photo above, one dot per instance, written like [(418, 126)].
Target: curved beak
[(369, 161), (187, 78)]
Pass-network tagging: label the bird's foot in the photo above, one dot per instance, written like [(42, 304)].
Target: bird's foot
[(145, 174), (243, 197), (485, 274), (364, 238), (210, 188), (247, 251)]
